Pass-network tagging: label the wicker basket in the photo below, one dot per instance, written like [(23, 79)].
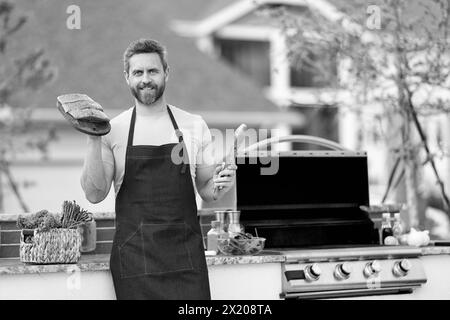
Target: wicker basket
[(53, 246)]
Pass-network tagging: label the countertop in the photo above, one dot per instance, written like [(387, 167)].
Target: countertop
[(100, 262), (435, 250)]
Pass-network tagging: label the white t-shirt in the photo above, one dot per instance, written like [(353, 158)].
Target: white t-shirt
[(151, 130)]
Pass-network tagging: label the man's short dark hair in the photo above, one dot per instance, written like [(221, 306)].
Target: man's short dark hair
[(144, 46)]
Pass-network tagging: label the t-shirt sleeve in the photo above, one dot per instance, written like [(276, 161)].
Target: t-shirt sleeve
[(205, 155)]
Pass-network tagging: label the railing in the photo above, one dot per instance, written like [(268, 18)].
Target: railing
[(262, 145)]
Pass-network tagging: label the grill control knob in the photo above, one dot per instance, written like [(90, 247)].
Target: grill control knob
[(401, 268), (312, 272), (372, 268), (343, 271)]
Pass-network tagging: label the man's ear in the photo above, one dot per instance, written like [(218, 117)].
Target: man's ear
[(167, 73), (125, 74)]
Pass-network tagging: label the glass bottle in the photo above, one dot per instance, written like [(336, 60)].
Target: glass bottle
[(214, 234), (386, 227), (397, 228)]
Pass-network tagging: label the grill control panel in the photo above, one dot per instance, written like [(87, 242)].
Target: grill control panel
[(401, 268), (343, 271), (372, 268), (312, 272), (360, 274)]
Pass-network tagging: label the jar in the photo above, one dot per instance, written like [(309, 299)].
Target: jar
[(234, 225), (222, 217), (214, 234), (88, 232)]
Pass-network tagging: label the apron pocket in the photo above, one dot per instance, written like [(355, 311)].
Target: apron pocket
[(131, 256), (166, 248)]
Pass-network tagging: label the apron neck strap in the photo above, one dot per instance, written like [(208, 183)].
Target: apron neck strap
[(131, 130), (175, 125), (133, 121)]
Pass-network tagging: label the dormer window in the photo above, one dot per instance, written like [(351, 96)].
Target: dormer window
[(250, 57), (253, 58), (247, 35)]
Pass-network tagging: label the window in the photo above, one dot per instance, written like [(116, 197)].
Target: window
[(250, 57), (321, 121), (253, 58), (306, 73)]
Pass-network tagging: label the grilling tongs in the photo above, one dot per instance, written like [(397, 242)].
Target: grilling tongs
[(229, 158)]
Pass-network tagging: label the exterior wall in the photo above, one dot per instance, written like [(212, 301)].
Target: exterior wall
[(241, 282), (85, 285), (54, 180), (52, 184), (245, 281), (437, 286)]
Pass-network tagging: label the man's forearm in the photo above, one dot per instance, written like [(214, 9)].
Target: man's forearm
[(207, 191), (93, 177)]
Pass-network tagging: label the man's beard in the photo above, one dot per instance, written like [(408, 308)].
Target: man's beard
[(148, 98)]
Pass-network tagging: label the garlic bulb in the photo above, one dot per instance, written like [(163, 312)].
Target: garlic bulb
[(418, 238)]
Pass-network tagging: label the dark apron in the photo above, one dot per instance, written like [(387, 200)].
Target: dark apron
[(158, 251)]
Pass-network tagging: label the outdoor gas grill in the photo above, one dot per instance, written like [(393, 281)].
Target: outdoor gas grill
[(307, 206)]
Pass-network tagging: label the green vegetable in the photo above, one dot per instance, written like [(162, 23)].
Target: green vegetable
[(72, 216), (33, 221), (241, 243)]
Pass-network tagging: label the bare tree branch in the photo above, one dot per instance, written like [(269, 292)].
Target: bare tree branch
[(28, 73)]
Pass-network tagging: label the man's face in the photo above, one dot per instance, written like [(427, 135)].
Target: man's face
[(146, 77)]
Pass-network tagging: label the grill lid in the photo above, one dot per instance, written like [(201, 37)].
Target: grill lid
[(302, 180), (301, 198)]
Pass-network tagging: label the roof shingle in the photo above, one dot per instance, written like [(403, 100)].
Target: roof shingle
[(89, 60)]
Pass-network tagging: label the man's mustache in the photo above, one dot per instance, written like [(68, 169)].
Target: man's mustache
[(151, 86)]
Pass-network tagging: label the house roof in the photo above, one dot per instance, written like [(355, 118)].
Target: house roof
[(220, 14), (89, 60)]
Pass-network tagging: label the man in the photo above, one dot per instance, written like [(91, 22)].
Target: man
[(153, 153)]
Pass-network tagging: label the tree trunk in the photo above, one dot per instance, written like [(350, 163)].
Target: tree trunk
[(416, 203), (15, 188), (411, 191), (2, 205)]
